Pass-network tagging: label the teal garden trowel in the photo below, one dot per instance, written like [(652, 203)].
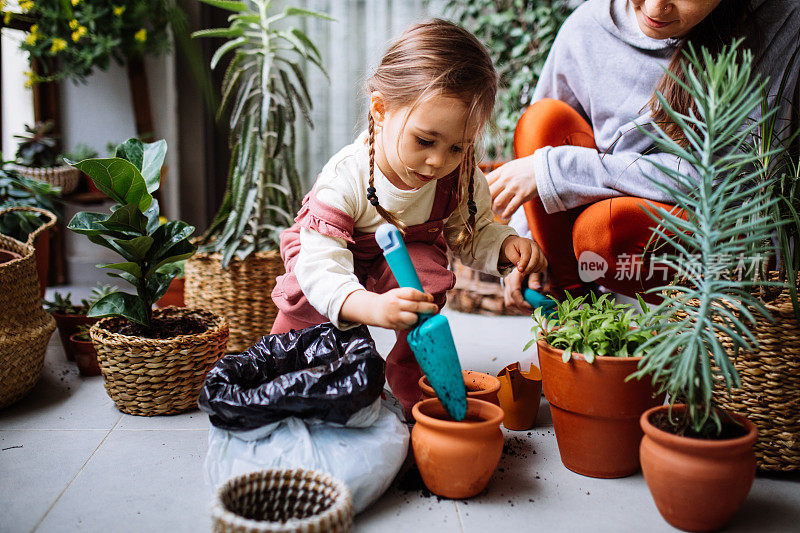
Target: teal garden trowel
[(430, 339)]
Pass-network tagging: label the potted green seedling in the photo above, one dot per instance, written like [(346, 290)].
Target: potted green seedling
[(70, 317), (586, 352), (37, 157), (84, 352), (153, 361)]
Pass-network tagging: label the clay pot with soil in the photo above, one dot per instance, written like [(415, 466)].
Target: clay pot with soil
[(698, 484), (479, 386), (84, 354), (520, 395), (457, 459)]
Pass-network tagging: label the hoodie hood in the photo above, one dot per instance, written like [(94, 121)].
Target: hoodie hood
[(618, 18)]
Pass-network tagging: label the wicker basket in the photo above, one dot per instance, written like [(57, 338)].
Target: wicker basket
[(64, 176), (158, 376), (240, 293), (283, 500), (476, 292), (25, 327)]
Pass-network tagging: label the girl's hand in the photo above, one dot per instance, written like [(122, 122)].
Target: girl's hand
[(512, 185), (524, 253), (399, 308), (512, 290)]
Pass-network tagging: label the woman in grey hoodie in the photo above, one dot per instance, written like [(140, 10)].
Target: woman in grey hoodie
[(580, 173)]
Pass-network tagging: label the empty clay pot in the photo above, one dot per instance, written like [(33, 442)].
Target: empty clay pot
[(69, 324), (174, 295), (85, 356), (595, 411), (697, 484), (479, 386), (457, 459), (519, 395)]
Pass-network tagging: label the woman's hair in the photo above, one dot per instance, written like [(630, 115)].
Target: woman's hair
[(436, 58), (728, 21)]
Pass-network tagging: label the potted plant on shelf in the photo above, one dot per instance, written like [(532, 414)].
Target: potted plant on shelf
[(37, 157), (697, 458), (238, 261), (586, 353), (19, 191), (153, 362), (70, 317)]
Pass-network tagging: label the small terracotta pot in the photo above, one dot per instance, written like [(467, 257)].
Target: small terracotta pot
[(67, 325), (479, 386), (520, 394), (595, 411), (457, 459), (697, 484), (174, 295), (8, 256), (85, 356)]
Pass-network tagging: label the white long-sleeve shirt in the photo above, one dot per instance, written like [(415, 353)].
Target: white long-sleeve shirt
[(325, 267)]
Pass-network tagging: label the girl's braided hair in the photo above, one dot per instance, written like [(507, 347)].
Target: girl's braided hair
[(436, 58)]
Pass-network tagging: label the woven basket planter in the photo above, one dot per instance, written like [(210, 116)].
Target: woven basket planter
[(64, 176), (158, 376), (476, 292), (240, 293), (25, 327), (283, 500)]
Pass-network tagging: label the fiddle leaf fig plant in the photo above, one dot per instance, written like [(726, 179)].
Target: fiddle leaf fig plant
[(148, 249)]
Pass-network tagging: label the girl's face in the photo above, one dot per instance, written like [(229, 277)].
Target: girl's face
[(416, 146), (665, 19)]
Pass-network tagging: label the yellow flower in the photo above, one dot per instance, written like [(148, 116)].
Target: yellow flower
[(76, 2), (31, 79), (77, 34), (35, 29), (58, 45), (162, 220), (119, 10), (73, 24), (31, 38), (26, 5), (141, 35), (7, 18)]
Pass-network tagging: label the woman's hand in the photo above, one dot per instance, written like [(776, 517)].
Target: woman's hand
[(524, 253), (394, 309), (512, 290), (512, 185)]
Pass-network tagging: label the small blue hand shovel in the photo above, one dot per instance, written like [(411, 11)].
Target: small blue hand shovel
[(430, 339)]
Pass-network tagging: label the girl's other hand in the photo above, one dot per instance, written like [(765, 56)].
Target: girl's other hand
[(512, 290), (512, 185), (524, 253), (399, 308)]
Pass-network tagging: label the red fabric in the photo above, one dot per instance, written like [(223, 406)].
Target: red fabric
[(617, 229), (426, 245)]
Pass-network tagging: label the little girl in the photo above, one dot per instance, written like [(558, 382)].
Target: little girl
[(415, 167)]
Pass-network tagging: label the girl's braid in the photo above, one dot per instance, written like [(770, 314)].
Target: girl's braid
[(468, 171), (371, 194)]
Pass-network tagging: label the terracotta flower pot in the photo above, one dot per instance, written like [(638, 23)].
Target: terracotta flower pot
[(68, 324), (595, 411), (457, 459), (479, 386), (7, 256), (174, 295), (520, 394), (697, 484), (85, 356)]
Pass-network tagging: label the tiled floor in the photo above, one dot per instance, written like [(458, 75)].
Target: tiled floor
[(70, 461)]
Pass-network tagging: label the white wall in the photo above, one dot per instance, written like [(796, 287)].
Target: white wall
[(17, 101)]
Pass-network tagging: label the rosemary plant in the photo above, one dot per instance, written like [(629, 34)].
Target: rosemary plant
[(723, 221), (265, 88)]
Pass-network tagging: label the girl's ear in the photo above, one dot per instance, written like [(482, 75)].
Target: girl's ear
[(377, 107)]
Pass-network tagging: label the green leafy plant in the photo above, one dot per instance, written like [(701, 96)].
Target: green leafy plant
[(62, 303), (265, 88), (37, 148), (133, 230), (601, 327), (17, 190), (519, 35), (80, 152), (720, 223)]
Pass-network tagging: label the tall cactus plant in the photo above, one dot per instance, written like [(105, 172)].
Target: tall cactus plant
[(264, 88)]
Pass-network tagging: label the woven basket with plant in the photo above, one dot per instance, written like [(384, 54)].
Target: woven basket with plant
[(264, 85), (25, 327), (153, 362), (37, 157)]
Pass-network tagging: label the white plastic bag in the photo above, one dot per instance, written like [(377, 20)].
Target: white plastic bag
[(365, 458)]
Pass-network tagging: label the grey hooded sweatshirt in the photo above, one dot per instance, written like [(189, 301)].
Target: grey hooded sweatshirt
[(603, 66)]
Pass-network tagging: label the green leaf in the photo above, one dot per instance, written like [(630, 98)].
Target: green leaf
[(131, 150), (137, 247), (119, 179), (87, 223), (131, 268), (227, 5), (120, 304), (158, 284), (182, 250), (153, 160), (296, 11), (126, 218)]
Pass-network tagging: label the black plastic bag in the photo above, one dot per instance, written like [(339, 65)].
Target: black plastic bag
[(319, 372)]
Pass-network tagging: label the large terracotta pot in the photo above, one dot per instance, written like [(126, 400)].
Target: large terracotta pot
[(697, 484), (479, 386), (457, 459), (595, 411), (68, 324)]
